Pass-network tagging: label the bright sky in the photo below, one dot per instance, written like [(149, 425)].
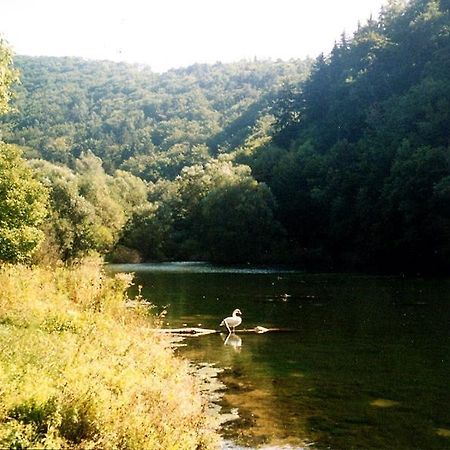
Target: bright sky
[(174, 33)]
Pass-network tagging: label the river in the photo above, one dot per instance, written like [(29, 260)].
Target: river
[(366, 365)]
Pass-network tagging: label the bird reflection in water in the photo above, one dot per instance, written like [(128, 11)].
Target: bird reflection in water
[(233, 341)]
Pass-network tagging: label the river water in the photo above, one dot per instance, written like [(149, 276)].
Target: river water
[(366, 364)]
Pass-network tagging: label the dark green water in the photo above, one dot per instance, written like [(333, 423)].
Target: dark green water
[(368, 366)]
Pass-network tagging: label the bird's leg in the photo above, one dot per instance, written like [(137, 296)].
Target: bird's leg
[(228, 328)]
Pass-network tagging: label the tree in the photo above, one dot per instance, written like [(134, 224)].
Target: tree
[(371, 191), (238, 222), (22, 198), (8, 76), (87, 207), (22, 207)]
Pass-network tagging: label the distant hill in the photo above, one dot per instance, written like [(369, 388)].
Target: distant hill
[(151, 124)]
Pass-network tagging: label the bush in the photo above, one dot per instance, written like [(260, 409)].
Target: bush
[(80, 370)]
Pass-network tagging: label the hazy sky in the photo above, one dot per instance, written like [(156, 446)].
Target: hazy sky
[(174, 33)]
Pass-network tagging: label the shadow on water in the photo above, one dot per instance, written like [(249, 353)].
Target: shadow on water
[(367, 368)]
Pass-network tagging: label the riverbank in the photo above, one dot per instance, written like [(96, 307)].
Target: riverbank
[(79, 370)]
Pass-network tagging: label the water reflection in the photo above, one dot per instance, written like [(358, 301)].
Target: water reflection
[(368, 364), (232, 340)]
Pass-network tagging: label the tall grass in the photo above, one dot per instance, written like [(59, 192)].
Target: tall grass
[(79, 370)]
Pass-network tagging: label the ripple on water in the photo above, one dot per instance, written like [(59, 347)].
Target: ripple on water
[(443, 432), (384, 403), (196, 267)]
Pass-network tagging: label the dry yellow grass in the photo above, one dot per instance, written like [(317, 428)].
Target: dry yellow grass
[(79, 370)]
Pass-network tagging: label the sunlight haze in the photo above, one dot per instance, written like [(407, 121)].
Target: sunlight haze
[(174, 33)]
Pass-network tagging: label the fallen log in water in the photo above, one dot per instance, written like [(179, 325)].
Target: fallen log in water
[(195, 331), (186, 330)]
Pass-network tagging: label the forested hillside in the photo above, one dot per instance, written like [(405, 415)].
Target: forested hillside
[(345, 168), (359, 164), (128, 156), (132, 118)]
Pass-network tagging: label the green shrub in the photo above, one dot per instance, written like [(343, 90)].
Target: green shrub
[(80, 370)]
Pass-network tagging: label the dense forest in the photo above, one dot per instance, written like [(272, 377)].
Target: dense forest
[(362, 176), (340, 163), (138, 165), (149, 124)]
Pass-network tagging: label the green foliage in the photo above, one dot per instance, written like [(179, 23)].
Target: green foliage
[(152, 125), (413, 203), (361, 154), (166, 164), (80, 370), (217, 212), (88, 208), (90, 125), (22, 198), (8, 76), (238, 223), (22, 207)]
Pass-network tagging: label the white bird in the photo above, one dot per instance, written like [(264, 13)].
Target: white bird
[(233, 321)]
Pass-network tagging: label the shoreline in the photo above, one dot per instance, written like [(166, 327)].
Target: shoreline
[(81, 369)]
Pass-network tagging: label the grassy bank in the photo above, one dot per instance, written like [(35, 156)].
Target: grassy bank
[(79, 370)]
